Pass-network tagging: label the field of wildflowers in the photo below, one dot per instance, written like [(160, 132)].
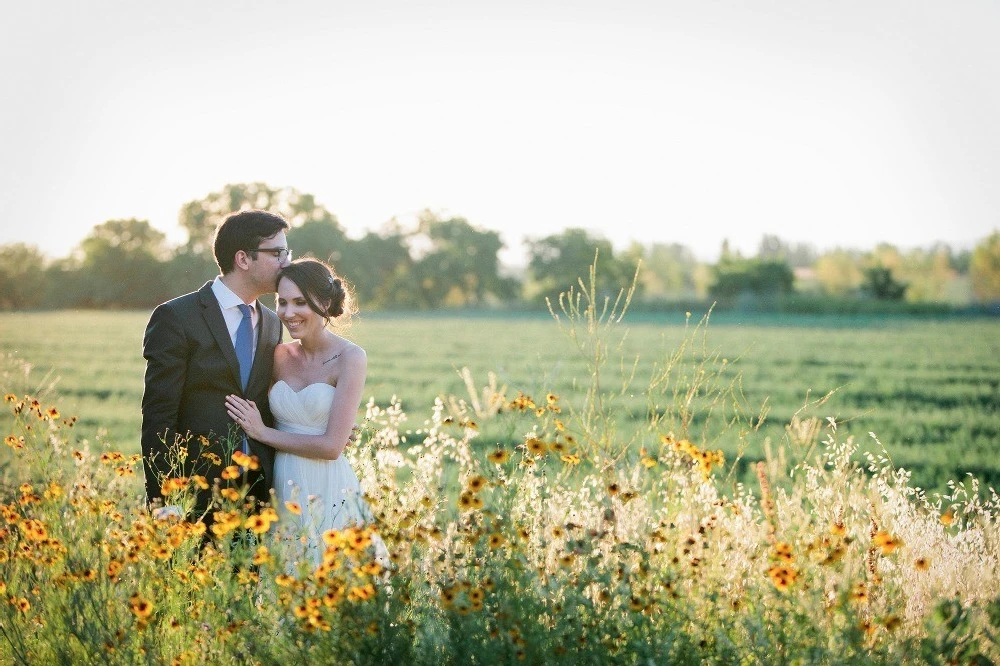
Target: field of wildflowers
[(578, 544)]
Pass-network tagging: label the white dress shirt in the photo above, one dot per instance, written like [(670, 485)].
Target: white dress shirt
[(230, 304)]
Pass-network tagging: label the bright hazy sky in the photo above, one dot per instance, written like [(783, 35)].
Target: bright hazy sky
[(830, 122)]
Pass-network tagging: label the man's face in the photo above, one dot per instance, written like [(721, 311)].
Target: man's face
[(264, 265)]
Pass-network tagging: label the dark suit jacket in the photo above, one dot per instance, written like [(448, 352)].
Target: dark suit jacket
[(191, 367)]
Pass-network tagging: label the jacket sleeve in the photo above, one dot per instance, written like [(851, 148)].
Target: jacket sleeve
[(164, 347)]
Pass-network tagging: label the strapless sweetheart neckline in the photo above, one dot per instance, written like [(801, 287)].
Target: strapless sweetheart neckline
[(308, 386)]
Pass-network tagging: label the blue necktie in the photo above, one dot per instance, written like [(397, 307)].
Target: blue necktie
[(244, 353), (244, 344)]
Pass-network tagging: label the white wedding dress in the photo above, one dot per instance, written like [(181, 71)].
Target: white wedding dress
[(327, 491)]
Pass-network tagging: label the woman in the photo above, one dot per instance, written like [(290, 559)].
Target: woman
[(318, 381)]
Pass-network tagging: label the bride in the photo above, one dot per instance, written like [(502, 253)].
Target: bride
[(318, 382)]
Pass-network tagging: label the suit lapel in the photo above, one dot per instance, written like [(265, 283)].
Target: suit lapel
[(216, 323)]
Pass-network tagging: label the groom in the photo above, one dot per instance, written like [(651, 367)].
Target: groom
[(208, 344)]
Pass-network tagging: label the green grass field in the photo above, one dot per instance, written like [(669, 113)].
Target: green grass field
[(929, 389)]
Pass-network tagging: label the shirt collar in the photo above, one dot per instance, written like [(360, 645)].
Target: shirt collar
[(226, 297)]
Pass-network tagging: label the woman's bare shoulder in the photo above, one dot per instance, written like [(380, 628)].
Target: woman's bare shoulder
[(286, 353)]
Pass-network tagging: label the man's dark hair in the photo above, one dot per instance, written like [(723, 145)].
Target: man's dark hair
[(244, 231)]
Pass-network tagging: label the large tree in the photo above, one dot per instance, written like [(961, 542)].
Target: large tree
[(459, 265), (23, 279), (799, 255), (380, 268), (121, 265), (324, 239), (556, 262), (839, 273), (669, 271), (738, 279), (984, 269), (201, 216)]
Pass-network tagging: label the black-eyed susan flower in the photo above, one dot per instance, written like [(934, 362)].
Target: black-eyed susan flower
[(613, 489), (293, 507), (212, 457), (921, 564), (535, 446), (141, 607), (247, 577), (496, 540), (358, 539), (241, 459), (362, 592), (476, 483), (230, 494), (114, 568), (782, 576), (886, 542), (783, 552), (498, 457), (571, 459), (257, 524), (231, 472)]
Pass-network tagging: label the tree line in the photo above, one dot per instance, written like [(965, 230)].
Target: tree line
[(448, 262)]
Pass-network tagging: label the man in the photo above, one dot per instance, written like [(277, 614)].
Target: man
[(208, 344)]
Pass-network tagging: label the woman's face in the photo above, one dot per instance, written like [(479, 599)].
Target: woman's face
[(294, 311)]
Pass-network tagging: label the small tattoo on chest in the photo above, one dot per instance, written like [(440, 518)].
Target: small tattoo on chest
[(332, 358)]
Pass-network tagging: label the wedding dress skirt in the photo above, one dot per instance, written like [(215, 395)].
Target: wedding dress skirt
[(327, 491)]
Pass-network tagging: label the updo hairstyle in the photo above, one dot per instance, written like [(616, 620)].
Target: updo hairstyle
[(319, 284)]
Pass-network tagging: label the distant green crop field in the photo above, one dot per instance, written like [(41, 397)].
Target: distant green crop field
[(929, 389)]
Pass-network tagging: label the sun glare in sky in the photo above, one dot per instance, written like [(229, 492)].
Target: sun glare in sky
[(842, 124)]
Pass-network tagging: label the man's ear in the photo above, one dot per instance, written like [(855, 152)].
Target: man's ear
[(241, 260)]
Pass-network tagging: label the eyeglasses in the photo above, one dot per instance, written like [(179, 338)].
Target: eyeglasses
[(280, 252)]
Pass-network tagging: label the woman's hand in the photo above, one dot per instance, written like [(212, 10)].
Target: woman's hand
[(246, 415)]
